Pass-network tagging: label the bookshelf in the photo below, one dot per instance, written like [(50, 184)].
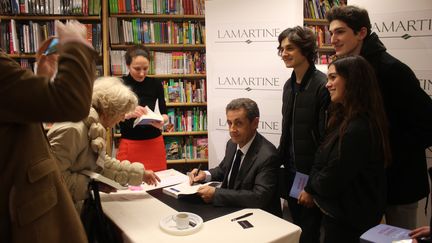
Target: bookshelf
[(24, 25), (314, 18), (174, 33)]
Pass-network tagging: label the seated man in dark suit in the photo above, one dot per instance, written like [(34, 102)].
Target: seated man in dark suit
[(249, 169)]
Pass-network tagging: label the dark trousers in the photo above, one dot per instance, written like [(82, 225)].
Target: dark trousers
[(339, 232), (308, 219)]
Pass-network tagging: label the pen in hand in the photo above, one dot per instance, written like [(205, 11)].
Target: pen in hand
[(193, 175), (198, 170)]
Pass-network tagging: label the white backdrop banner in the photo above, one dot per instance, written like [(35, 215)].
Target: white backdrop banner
[(242, 61)]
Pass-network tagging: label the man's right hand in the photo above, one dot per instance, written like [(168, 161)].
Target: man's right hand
[(194, 177)]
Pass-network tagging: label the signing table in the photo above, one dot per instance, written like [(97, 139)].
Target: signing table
[(137, 215)]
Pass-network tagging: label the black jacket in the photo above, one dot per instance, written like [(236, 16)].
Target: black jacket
[(256, 182), (304, 109), (348, 184), (409, 111)]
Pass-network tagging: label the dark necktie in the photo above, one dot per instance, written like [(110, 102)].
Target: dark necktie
[(235, 169)]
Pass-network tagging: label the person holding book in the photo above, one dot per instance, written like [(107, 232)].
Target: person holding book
[(80, 146), (35, 204), (248, 171), (421, 235), (408, 109), (143, 143), (347, 180), (304, 103)]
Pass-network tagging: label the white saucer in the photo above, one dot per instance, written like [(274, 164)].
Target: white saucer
[(168, 225)]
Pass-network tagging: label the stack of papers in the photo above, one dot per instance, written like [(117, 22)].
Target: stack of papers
[(186, 189), (384, 233)]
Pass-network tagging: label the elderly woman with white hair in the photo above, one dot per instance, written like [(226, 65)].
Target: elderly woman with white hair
[(81, 145)]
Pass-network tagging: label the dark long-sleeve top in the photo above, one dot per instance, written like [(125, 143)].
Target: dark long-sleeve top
[(348, 182), (148, 91), (409, 112)]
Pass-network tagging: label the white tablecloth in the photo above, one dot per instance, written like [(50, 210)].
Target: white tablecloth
[(138, 215)]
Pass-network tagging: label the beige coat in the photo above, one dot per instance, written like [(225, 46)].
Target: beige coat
[(35, 205), (80, 146)]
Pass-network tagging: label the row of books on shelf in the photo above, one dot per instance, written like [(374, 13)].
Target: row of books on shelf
[(184, 91), (317, 9), (26, 36), (180, 120), (188, 7), (186, 147), (27, 63), (322, 34), (138, 31), (189, 62), (50, 7), (323, 58), (30, 63)]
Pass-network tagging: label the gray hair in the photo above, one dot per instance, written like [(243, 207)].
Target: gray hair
[(249, 105), (111, 97)]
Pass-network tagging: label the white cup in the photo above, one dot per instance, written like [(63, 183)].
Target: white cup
[(182, 220)]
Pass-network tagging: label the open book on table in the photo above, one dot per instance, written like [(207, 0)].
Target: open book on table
[(185, 189), (100, 178), (148, 118)]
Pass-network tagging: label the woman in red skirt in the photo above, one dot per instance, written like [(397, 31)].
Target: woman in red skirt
[(143, 143)]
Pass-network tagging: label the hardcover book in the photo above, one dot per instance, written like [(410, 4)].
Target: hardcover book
[(148, 118), (173, 147)]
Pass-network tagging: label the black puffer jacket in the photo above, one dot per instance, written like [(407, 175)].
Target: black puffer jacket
[(306, 110), (409, 111)]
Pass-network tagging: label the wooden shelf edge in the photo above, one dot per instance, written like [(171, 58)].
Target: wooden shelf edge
[(158, 16), (162, 76), (22, 55), (118, 135), (154, 46), (326, 48), (315, 21), (182, 161), (200, 75), (31, 56), (50, 17), (184, 133), (185, 104)]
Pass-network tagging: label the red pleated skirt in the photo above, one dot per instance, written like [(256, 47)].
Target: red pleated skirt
[(150, 152)]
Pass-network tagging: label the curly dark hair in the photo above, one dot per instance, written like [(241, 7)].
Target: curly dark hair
[(303, 38)]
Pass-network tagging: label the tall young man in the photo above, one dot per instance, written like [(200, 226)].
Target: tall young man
[(305, 100), (408, 109)]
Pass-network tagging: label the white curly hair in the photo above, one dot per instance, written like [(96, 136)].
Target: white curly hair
[(111, 97)]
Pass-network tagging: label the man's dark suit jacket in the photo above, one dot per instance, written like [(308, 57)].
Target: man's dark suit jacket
[(256, 182)]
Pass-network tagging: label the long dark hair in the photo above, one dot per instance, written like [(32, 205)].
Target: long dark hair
[(362, 97)]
